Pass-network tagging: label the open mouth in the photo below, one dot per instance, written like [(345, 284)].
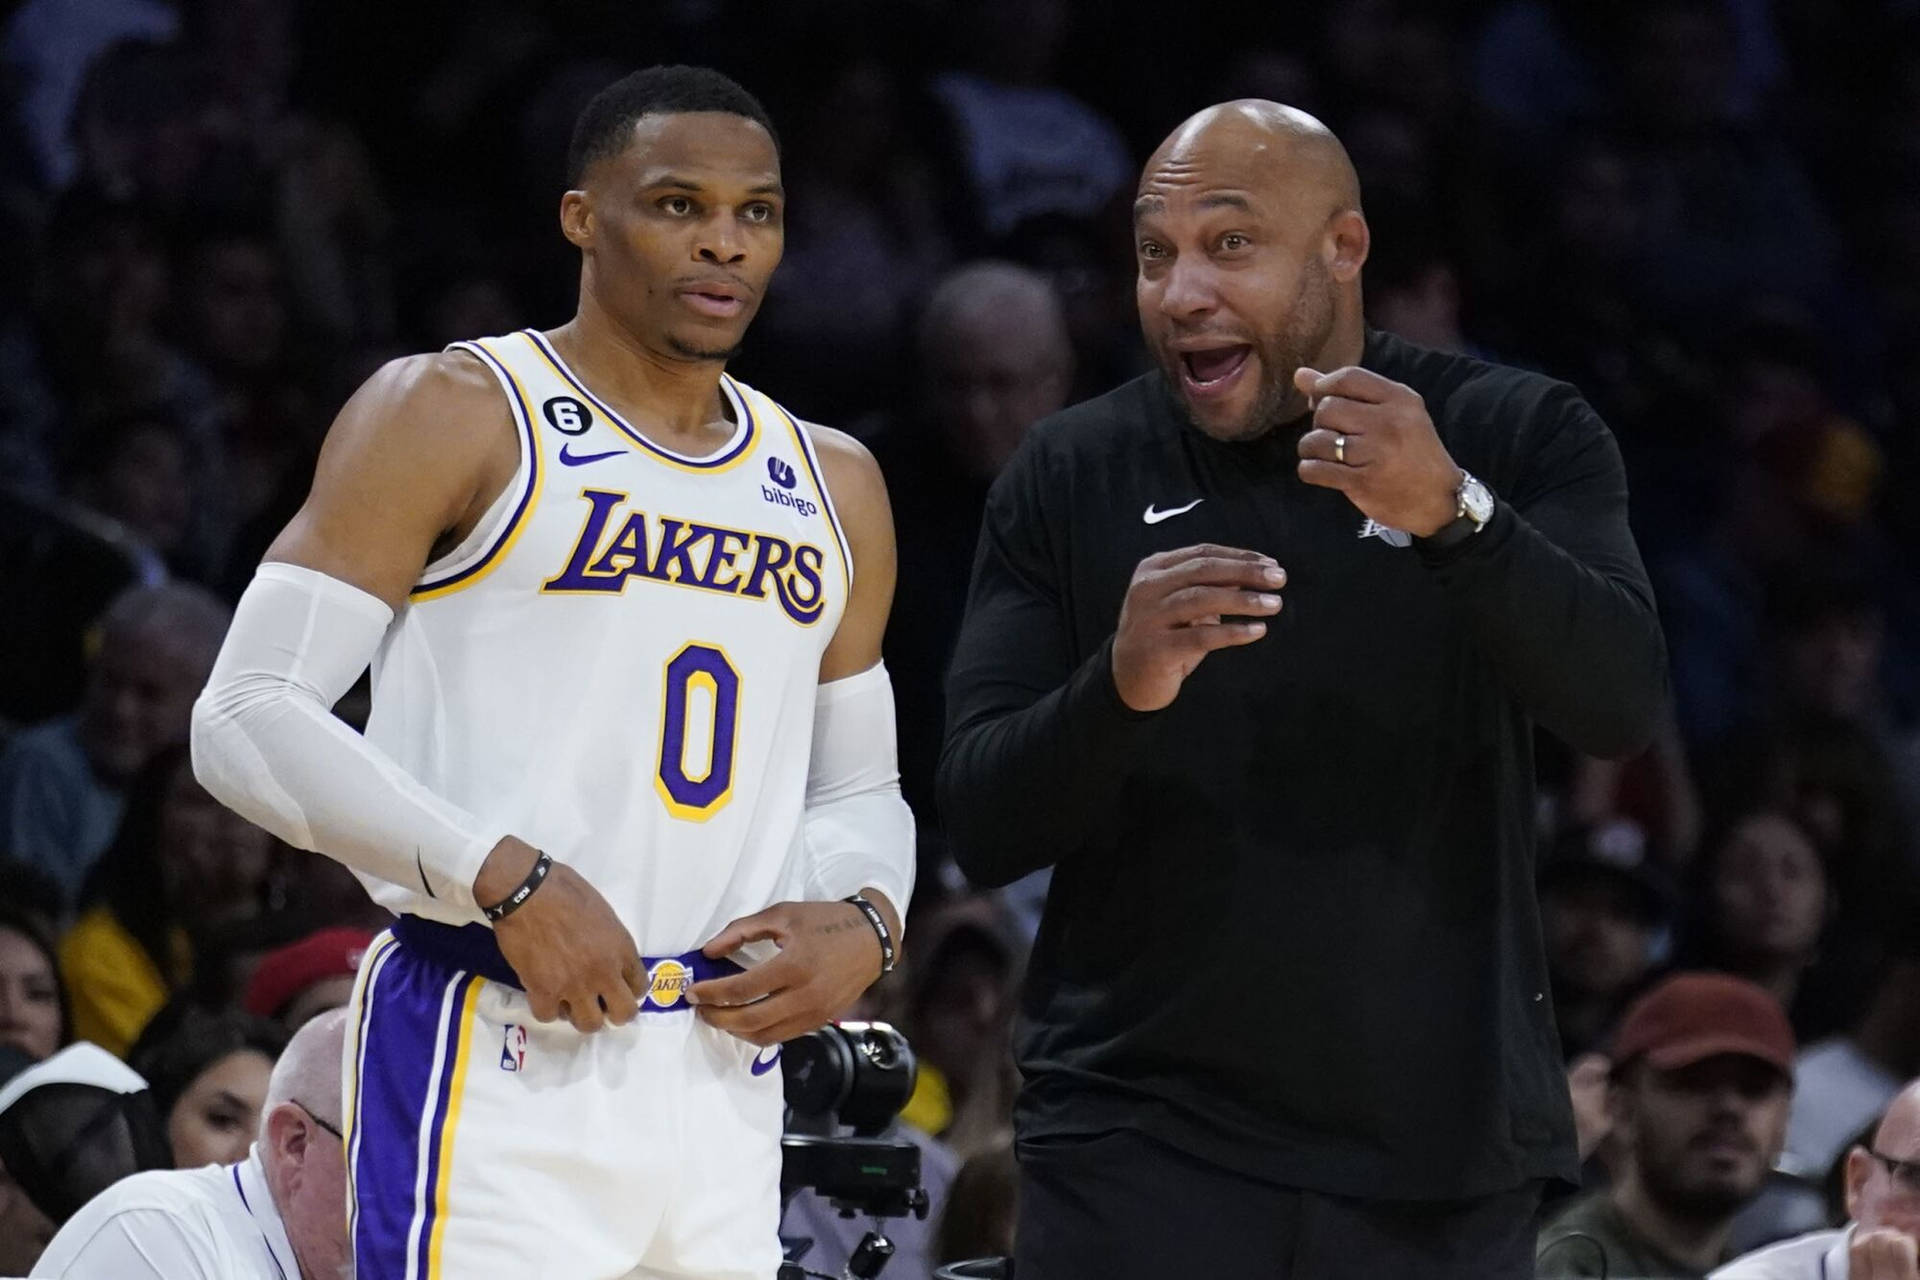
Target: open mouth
[(1214, 368)]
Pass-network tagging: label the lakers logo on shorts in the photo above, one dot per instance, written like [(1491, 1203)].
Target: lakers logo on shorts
[(667, 983)]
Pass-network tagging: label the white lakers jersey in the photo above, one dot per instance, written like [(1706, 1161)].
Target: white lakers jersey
[(619, 664)]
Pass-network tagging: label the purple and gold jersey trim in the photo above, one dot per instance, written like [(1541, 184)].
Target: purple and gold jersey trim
[(433, 588), (415, 1021), (728, 457)]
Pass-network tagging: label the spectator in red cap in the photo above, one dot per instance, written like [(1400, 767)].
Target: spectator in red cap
[(1702, 1079), (306, 978)]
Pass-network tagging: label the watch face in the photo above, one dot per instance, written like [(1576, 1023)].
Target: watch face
[(1478, 501)]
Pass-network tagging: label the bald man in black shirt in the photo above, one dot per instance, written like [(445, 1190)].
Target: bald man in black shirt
[(1252, 657)]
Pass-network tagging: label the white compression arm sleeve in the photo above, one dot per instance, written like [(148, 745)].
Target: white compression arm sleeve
[(266, 744), (859, 831)]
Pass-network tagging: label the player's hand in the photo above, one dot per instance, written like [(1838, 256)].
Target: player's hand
[(1174, 614), (575, 958), (829, 954), (1395, 470), (1883, 1254)]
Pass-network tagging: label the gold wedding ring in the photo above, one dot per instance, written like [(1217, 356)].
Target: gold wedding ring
[(1340, 449)]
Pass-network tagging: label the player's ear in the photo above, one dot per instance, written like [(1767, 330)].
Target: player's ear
[(576, 218)]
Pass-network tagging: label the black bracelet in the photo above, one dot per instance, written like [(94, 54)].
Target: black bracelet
[(879, 923), (515, 900)]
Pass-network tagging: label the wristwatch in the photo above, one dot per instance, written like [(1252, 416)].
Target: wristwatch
[(1473, 507), (1475, 501)]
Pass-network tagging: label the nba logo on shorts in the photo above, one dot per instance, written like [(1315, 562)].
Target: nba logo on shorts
[(513, 1053)]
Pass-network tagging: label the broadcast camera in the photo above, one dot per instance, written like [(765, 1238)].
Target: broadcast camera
[(850, 1076)]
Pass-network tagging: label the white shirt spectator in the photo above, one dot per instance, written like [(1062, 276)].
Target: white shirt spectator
[(1837, 1092), (1818, 1255), (215, 1223)]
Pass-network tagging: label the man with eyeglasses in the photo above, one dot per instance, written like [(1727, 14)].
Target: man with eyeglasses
[(1883, 1201), (280, 1214)]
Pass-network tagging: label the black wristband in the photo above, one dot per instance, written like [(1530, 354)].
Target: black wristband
[(879, 923), (515, 900)]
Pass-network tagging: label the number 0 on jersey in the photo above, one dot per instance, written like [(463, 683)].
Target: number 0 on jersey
[(702, 708)]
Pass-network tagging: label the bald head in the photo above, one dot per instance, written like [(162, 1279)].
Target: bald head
[(986, 300), (186, 620), (1899, 1129), (1266, 140), (305, 1161), (1883, 1180), (1249, 240), (308, 1072), (157, 646), (997, 357)]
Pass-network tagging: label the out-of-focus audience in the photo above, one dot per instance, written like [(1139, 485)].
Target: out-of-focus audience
[(70, 1128), (63, 784), (274, 1207), (1605, 906), (1702, 1079), (304, 979), (34, 1017), (1703, 213), (208, 1072), (1883, 1212), (181, 868), (982, 1208), (993, 357)]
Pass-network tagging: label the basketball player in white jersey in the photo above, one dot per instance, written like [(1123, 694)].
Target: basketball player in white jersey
[(624, 615)]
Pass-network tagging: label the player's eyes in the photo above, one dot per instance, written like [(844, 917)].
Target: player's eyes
[(1152, 252), (678, 206), (759, 213), (1233, 242)]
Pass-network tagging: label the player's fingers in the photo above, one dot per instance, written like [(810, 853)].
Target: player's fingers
[(1195, 603), (634, 975), (1328, 475), (770, 923), (542, 1006), (1350, 383), (1346, 417), (1337, 447), (749, 1022), (757, 983), (617, 1002), (584, 1014), (1201, 640)]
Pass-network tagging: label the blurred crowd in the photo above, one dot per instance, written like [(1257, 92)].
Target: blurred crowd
[(218, 216)]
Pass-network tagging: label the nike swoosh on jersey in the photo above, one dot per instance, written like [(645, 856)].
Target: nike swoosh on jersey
[(760, 1068), (1155, 517), (582, 459)]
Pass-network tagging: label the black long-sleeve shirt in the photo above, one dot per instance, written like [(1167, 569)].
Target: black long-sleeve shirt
[(1292, 926)]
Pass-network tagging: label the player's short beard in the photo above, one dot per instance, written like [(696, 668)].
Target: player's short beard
[(691, 352)]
